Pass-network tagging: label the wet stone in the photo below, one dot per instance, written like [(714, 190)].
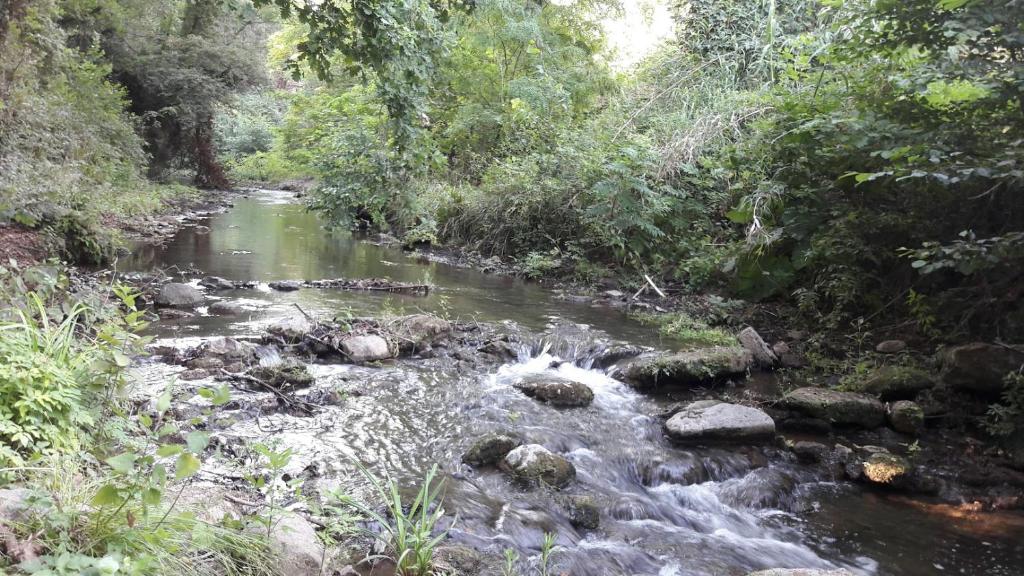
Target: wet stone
[(211, 363), (366, 348), (895, 383), (719, 421), (891, 347), (686, 368), (292, 329), (225, 308), (810, 452), (196, 374), (177, 295), (535, 463), (556, 391), (582, 511), (490, 450), (285, 285), (886, 469), (216, 283)]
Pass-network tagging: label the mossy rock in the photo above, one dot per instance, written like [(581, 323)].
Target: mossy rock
[(836, 407), (690, 368), (894, 383)]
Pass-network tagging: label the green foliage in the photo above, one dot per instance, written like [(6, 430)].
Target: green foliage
[(893, 129), (687, 330), (408, 529), (1007, 417)]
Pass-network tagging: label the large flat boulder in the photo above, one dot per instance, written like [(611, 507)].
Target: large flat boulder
[(719, 421), (295, 543), (177, 295), (979, 367), (535, 463), (689, 368), (836, 407), (291, 329), (556, 391)]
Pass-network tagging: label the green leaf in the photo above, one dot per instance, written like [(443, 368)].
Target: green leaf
[(123, 463), (121, 359), (187, 466), (169, 450), (164, 401), (151, 496), (197, 441), (107, 496)]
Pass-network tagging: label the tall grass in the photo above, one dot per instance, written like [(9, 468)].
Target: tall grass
[(408, 529)]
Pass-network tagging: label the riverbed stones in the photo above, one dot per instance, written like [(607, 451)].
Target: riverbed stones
[(535, 463), (295, 543), (556, 391), (836, 407), (689, 368), (895, 383), (365, 348), (194, 374), (719, 421), (288, 373), (205, 363), (489, 450), (979, 367), (177, 295), (216, 283), (906, 417)]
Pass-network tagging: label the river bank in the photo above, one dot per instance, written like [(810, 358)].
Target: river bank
[(483, 364)]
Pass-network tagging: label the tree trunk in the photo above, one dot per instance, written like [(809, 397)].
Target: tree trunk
[(209, 172)]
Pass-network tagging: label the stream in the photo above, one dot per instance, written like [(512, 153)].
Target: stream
[(664, 510)]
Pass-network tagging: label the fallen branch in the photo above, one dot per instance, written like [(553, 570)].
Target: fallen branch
[(287, 399)]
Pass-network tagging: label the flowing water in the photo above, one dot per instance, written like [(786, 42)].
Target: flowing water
[(665, 510)]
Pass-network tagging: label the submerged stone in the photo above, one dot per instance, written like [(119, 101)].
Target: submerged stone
[(582, 512), (556, 391), (285, 285), (225, 308), (836, 407), (216, 283), (535, 463), (686, 368), (718, 421)]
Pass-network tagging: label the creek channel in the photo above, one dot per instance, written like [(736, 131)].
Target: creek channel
[(664, 509)]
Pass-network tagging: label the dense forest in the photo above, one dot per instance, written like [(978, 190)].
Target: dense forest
[(849, 168)]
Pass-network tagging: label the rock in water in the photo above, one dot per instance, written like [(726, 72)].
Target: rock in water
[(177, 295), (686, 368), (835, 407), (556, 391), (225, 308), (299, 552), (419, 331), (895, 383), (285, 285), (228, 349), (366, 348), (535, 463), (906, 417), (291, 329), (216, 283), (490, 450), (718, 421), (887, 469), (979, 367), (752, 341)]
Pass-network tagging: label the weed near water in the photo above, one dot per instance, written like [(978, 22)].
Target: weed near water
[(409, 530), (686, 329)]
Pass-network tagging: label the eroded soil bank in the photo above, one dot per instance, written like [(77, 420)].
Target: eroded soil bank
[(547, 414)]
